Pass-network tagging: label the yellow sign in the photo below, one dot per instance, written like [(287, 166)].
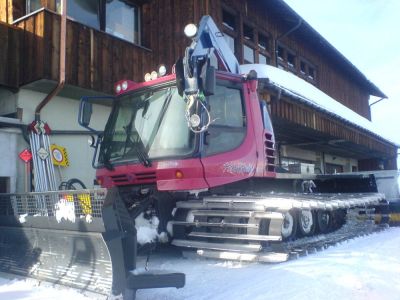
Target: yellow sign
[(59, 155)]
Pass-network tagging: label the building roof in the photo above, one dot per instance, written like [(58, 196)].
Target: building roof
[(304, 92), (309, 34)]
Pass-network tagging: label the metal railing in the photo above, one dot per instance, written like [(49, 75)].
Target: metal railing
[(75, 203)]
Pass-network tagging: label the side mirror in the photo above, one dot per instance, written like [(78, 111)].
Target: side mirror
[(208, 79), (86, 115), (102, 105), (180, 76)]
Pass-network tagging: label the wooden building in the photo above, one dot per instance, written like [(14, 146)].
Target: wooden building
[(108, 41)]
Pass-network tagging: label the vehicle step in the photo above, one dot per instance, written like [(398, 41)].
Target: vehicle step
[(239, 214), (212, 224), (247, 237), (155, 279), (283, 201), (217, 246), (239, 205), (269, 257)]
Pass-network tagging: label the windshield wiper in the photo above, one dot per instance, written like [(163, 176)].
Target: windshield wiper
[(136, 145), (160, 117), (141, 153), (106, 155)]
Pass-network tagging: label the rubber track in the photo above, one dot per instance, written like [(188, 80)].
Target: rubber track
[(351, 230)]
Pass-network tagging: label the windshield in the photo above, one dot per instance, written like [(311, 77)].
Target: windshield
[(147, 125)]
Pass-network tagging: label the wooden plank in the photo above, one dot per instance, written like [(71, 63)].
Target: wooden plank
[(108, 70), (82, 58), (47, 43), (3, 11), (29, 65), (4, 53), (39, 46), (55, 49), (14, 50), (9, 11)]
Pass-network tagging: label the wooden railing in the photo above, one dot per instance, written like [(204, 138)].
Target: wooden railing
[(94, 59)]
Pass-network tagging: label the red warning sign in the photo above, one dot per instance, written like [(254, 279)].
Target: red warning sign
[(25, 155)]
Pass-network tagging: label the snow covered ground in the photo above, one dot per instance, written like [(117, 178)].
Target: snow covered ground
[(363, 268)]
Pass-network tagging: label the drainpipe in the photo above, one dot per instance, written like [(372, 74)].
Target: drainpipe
[(61, 76), (284, 35)]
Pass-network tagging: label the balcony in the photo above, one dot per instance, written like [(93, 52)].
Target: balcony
[(29, 55)]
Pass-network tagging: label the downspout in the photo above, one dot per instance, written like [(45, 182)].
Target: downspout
[(61, 76), (284, 35)]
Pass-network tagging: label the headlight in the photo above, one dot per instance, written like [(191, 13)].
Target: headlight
[(154, 75), (162, 70), (118, 88), (190, 30), (147, 77), (124, 85)]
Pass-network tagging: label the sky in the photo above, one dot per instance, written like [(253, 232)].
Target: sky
[(365, 32)]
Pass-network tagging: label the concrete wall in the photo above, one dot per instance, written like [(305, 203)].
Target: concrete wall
[(318, 158), (10, 164), (62, 114)]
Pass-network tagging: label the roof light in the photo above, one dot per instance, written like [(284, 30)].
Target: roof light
[(147, 77), (190, 30), (118, 88), (124, 85), (154, 75), (162, 70)]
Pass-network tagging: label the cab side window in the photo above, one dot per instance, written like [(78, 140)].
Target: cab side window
[(228, 128)]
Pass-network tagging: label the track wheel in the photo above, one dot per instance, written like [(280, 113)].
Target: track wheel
[(180, 231), (307, 220), (289, 225), (338, 218), (324, 221)]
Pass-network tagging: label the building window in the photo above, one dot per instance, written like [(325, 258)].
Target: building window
[(248, 33), (248, 44), (333, 168), (287, 59), (291, 60), (307, 70), (281, 53), (228, 20), (311, 73), (303, 68), (32, 5), (263, 42), (262, 59), (248, 55), (231, 42), (229, 28), (86, 12), (263, 47), (122, 20)]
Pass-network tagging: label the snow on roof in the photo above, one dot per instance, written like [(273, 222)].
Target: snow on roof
[(306, 92)]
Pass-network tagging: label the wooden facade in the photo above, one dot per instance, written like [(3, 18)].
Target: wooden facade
[(29, 52)]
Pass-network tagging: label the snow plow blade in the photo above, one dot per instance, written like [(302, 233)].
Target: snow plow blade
[(56, 237), (84, 239)]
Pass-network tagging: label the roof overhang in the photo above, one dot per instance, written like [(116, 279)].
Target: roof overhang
[(307, 33), (303, 92)]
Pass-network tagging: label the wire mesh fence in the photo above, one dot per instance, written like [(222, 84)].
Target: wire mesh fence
[(75, 202)]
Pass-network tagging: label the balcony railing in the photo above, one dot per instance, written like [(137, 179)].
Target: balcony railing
[(94, 59)]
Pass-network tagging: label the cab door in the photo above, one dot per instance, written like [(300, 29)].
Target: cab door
[(229, 150)]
